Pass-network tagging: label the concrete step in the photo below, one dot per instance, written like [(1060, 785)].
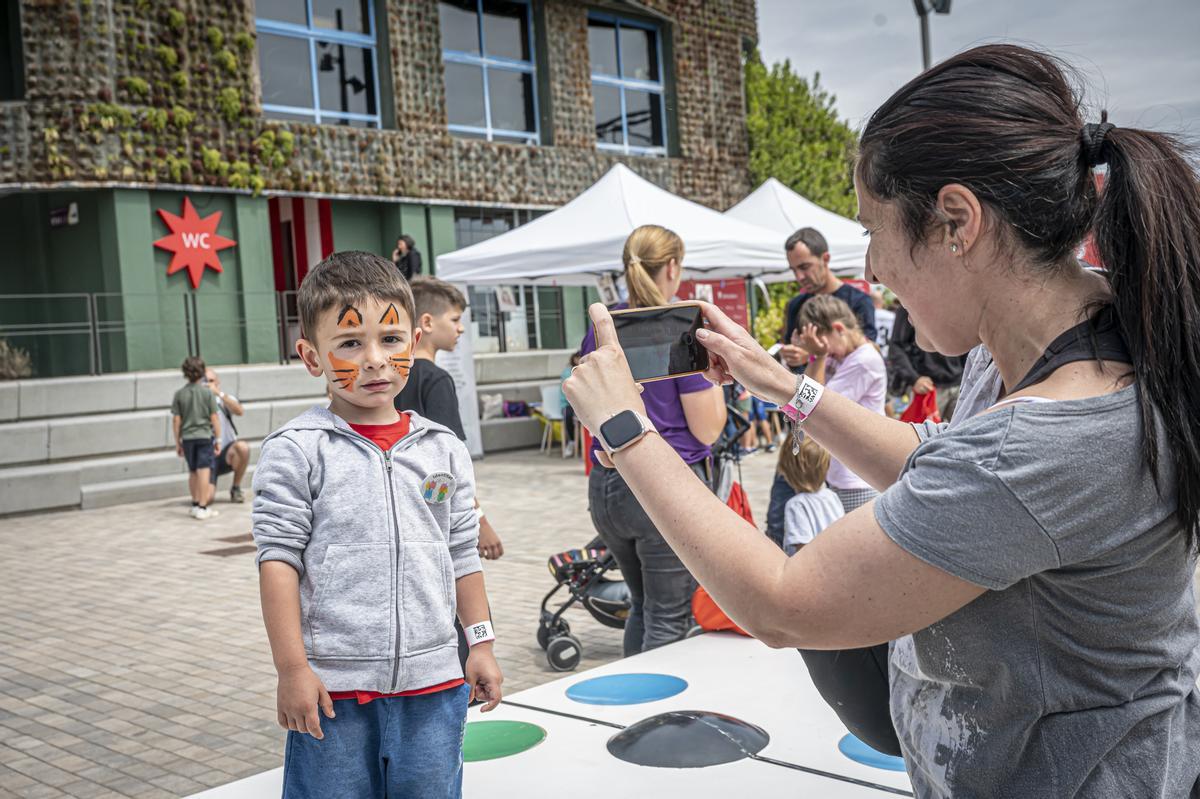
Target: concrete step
[(520, 432), (118, 492), (137, 465), (503, 367)]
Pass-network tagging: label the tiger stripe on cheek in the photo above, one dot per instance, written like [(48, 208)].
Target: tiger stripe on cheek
[(391, 316), (402, 363), (345, 373), (349, 317)]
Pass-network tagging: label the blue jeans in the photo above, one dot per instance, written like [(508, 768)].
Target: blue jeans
[(781, 492), (660, 586), (406, 746)]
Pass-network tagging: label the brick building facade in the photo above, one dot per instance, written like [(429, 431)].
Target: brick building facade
[(117, 108)]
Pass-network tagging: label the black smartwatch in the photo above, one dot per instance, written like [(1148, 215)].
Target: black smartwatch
[(623, 430)]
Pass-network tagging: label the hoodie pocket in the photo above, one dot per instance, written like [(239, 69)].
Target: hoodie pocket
[(428, 609), (353, 608)]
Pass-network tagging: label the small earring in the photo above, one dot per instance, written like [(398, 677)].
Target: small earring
[(953, 248)]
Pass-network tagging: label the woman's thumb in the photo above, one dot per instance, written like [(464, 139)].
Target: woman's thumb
[(715, 343), (326, 703)]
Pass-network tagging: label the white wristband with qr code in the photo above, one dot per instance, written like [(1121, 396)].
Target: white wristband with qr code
[(479, 633)]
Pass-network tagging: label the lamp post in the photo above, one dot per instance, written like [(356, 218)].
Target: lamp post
[(923, 8)]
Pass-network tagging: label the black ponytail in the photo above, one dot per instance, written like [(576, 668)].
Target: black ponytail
[(1006, 122), (1147, 231)]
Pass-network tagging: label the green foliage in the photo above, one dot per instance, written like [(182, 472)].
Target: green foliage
[(138, 86), (111, 115), (157, 117), (210, 158), (797, 137), (229, 102), (167, 55), (769, 323), (227, 60), (216, 39), (287, 142), (180, 80), (181, 117), (244, 41), (176, 19)]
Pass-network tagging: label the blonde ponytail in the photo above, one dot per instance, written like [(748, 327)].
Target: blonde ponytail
[(647, 252)]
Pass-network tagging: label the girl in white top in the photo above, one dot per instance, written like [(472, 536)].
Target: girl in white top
[(829, 331)]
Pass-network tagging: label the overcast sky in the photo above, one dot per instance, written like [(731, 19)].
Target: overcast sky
[(1141, 58)]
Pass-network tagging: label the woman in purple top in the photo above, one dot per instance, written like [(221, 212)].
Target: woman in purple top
[(689, 413)]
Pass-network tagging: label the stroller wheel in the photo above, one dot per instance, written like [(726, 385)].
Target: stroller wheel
[(547, 630), (564, 653)]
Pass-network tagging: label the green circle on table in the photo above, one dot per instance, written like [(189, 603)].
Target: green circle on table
[(489, 740)]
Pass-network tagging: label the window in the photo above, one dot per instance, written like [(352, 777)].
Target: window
[(12, 64), (317, 59), (627, 85), (487, 48)]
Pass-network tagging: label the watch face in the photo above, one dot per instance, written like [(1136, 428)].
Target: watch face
[(621, 429)]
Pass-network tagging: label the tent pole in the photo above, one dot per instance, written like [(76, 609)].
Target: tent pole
[(752, 302)]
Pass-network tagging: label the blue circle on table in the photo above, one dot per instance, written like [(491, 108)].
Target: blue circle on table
[(626, 689), (860, 752)]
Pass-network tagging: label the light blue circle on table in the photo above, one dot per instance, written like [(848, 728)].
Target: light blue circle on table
[(860, 752), (626, 689)]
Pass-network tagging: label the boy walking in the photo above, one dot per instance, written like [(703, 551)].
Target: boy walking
[(197, 434), (366, 531)]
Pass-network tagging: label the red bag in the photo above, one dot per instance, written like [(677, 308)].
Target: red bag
[(708, 615), (922, 409)]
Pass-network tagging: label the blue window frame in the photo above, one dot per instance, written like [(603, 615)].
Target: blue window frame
[(318, 62), (627, 85), (491, 74)]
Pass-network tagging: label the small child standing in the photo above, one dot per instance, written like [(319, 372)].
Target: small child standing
[(194, 420), (366, 531), (815, 506)]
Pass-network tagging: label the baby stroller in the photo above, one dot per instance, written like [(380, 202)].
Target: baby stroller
[(582, 572)]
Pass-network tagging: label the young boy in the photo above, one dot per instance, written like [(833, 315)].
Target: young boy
[(815, 506), (430, 389), (366, 532), (197, 429)]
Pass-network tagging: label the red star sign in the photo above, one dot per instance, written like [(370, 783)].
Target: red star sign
[(193, 241)]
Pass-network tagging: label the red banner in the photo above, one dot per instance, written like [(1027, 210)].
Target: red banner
[(728, 295)]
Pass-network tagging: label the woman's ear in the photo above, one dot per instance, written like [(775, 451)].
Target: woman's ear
[(963, 214), (673, 270)]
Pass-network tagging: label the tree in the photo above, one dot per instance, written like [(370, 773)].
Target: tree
[(797, 138)]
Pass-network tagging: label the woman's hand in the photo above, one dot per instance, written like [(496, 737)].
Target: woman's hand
[(812, 340), (602, 386), (735, 355)]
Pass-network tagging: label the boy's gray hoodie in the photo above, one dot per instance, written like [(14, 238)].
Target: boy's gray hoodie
[(378, 539)]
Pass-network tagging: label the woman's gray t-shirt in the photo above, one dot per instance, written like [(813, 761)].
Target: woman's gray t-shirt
[(1075, 674)]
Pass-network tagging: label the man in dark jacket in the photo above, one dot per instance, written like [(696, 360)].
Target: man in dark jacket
[(911, 368)]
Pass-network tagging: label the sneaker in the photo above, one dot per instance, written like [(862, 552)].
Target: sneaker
[(194, 512), (771, 447), (207, 513), (236, 495)]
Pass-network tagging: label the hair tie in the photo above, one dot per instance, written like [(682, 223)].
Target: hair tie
[(1094, 136), (633, 259)]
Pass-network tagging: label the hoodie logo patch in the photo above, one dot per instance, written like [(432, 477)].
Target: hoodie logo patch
[(438, 487)]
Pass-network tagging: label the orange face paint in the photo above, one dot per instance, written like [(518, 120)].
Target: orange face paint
[(402, 363), (391, 316), (349, 317), (345, 373)]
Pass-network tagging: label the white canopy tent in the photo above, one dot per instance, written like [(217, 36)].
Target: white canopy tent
[(581, 241), (773, 205)]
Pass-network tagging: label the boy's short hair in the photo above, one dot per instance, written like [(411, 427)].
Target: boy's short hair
[(806, 470), (345, 278), (193, 368), (432, 296)]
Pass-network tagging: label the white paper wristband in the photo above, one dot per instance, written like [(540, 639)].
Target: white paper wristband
[(479, 633)]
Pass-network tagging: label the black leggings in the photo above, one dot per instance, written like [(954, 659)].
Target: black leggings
[(854, 682)]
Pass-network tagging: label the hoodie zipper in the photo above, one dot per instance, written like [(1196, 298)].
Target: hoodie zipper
[(403, 443)]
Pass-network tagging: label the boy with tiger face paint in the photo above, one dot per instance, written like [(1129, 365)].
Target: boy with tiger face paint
[(364, 517)]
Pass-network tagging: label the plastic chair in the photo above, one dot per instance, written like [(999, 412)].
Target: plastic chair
[(552, 418)]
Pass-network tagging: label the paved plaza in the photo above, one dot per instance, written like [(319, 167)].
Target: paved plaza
[(133, 659)]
